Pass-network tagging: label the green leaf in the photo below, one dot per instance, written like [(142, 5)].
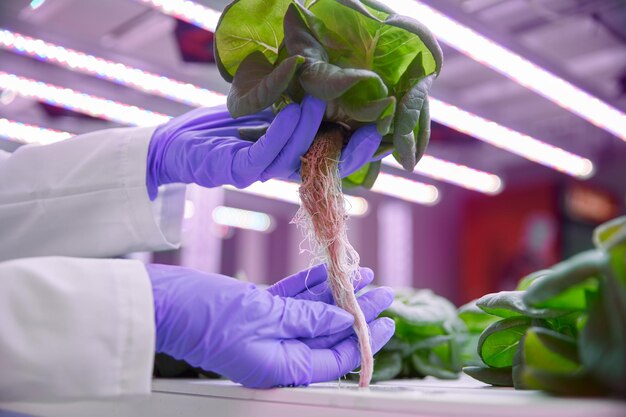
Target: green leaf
[(422, 131), (420, 314), (372, 174), (474, 318), (498, 343), (330, 40), (383, 47), (257, 84), (550, 351), (603, 339), (407, 117), (378, 8), (500, 377), (396, 345), (327, 82), (411, 76), (298, 38), (387, 365), (431, 49), (511, 304), (580, 384), (611, 237), (248, 26), (566, 284), (359, 7), (384, 124), (357, 177), (383, 149), (569, 324), (422, 308), (528, 280), (359, 109), (364, 176), (424, 366), (517, 370), (469, 350), (610, 234)]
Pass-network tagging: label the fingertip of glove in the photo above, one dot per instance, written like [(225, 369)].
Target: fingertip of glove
[(390, 293), (369, 132), (387, 323), (313, 103), (366, 272), (386, 296), (383, 328), (291, 112)]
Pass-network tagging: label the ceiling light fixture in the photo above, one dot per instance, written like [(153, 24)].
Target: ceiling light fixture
[(188, 11), (243, 219), (112, 71), (457, 174), (288, 192), (405, 189), (25, 133), (511, 140), (81, 102)]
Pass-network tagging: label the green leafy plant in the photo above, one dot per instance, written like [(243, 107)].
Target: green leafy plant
[(428, 339), (370, 65), (564, 330)]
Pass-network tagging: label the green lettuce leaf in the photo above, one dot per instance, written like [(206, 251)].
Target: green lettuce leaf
[(258, 84), (245, 27)]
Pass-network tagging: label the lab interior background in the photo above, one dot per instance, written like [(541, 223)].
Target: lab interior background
[(427, 229)]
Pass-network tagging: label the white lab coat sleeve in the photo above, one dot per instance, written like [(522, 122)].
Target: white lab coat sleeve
[(85, 197), (74, 329)]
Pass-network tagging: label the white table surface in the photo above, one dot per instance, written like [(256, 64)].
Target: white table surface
[(429, 397)]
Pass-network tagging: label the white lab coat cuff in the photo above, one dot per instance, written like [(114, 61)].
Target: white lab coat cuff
[(137, 306), (158, 222)]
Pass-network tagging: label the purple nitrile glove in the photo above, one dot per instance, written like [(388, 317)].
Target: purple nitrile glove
[(254, 337), (203, 146)]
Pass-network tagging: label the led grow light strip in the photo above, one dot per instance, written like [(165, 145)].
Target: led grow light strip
[(405, 189), (288, 192), (242, 219), (112, 71), (26, 133), (516, 67), (510, 140), (84, 103), (188, 11), (457, 174)]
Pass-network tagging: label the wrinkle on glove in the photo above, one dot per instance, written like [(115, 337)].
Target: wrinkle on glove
[(255, 337)]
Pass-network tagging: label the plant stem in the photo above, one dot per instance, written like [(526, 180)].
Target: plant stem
[(323, 217)]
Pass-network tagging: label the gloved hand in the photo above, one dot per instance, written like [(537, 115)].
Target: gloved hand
[(204, 147), (257, 337)]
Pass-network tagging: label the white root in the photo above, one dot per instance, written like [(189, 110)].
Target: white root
[(323, 218)]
